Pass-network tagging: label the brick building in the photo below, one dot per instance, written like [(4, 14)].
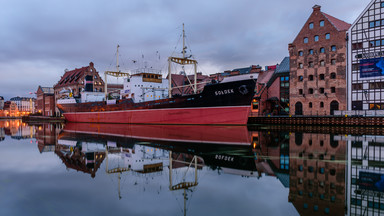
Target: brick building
[(45, 101), (318, 66), (317, 174), (182, 80), (277, 93), (74, 81)]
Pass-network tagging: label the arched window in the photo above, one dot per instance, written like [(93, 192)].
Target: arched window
[(298, 108)]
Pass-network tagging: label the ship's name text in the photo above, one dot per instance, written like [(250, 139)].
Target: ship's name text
[(224, 92)]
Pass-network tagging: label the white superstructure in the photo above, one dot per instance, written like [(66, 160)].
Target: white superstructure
[(145, 85)]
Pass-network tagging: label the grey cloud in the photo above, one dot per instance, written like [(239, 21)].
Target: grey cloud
[(228, 34)]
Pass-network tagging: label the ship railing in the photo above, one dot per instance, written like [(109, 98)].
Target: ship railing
[(146, 70)]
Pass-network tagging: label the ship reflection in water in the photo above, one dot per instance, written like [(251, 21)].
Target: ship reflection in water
[(187, 170)]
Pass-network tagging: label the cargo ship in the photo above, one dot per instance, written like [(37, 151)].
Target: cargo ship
[(147, 98)]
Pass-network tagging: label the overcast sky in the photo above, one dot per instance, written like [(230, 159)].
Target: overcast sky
[(39, 39)]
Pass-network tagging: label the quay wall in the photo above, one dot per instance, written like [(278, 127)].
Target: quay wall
[(320, 120)]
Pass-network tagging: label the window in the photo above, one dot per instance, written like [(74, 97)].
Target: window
[(301, 65), (322, 63), (301, 91), (310, 77), (355, 67), (382, 4), (321, 104), (311, 25), (321, 90), (357, 86), (333, 48), (305, 40), (321, 23), (301, 53), (356, 46), (327, 36), (310, 64), (316, 38), (333, 61), (310, 52), (300, 78), (322, 50), (310, 91), (372, 24), (333, 75), (310, 104), (333, 89), (321, 76)]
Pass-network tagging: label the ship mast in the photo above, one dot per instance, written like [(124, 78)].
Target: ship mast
[(116, 73), (181, 61)]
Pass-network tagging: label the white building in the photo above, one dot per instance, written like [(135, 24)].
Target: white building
[(366, 59), (25, 104), (1, 102)]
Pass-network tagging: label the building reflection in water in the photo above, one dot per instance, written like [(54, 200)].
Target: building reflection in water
[(313, 166), (317, 174), (16, 129), (365, 174)]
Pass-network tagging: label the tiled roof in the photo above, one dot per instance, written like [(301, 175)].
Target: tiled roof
[(339, 24), (71, 77), (283, 67), (47, 90), (264, 76)]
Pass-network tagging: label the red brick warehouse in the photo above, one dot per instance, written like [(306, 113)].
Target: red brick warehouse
[(318, 66)]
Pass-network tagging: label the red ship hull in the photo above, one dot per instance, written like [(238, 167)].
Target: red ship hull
[(228, 135), (235, 115)]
